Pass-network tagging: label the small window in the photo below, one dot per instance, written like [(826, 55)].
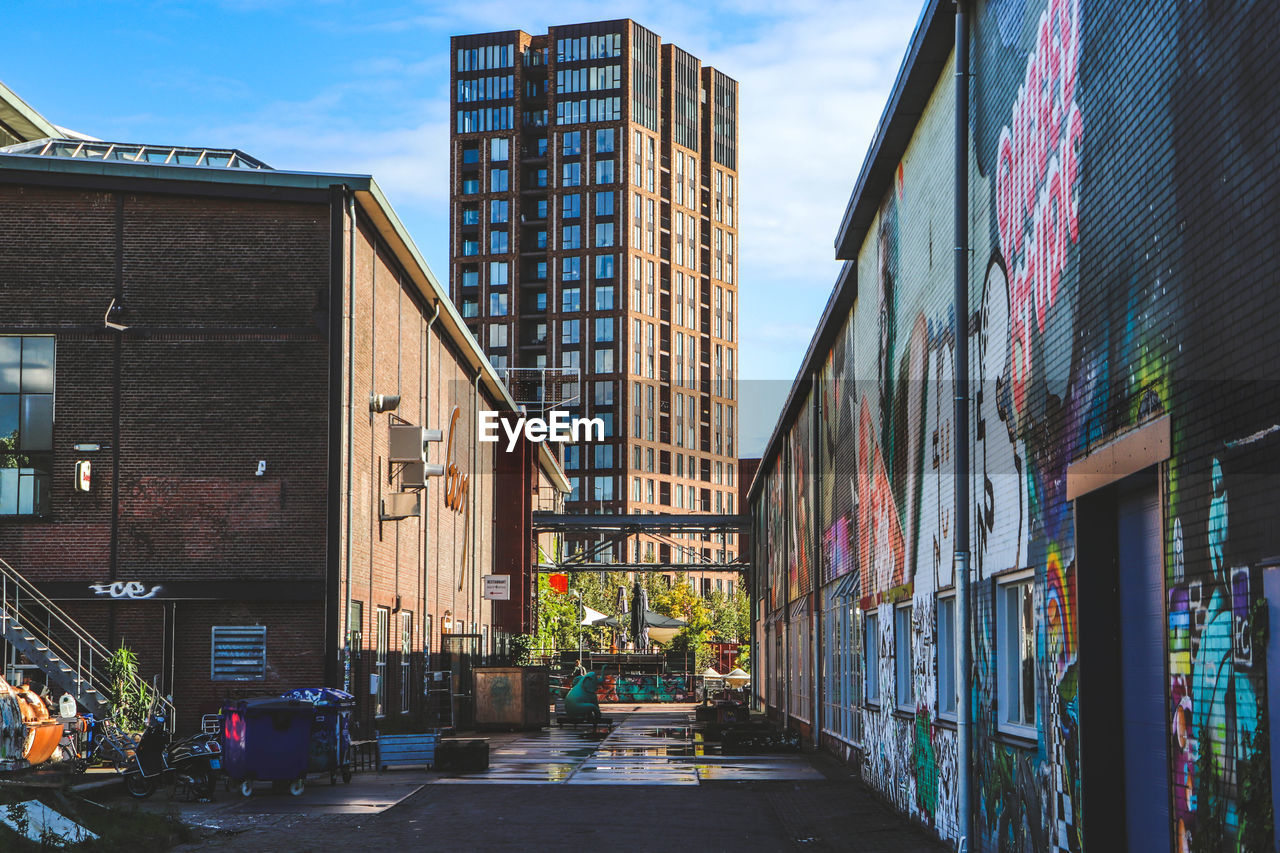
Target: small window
[(947, 656), (26, 423), (239, 653), (355, 627), (406, 657), (871, 657), (1016, 657), (381, 636), (902, 659)]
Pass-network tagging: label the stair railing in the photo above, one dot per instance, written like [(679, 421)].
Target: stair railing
[(65, 638)]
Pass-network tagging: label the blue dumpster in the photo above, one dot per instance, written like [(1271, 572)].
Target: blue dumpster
[(330, 730), (267, 739)]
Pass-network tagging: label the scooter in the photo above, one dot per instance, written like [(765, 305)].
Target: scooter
[(194, 761)]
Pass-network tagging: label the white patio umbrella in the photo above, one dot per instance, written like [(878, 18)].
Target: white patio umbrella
[(736, 677), (591, 617)]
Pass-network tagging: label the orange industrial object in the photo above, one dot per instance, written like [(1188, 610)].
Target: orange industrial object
[(13, 732), (43, 733)]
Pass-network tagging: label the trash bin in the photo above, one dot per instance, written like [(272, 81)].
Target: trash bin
[(330, 750), (267, 739)]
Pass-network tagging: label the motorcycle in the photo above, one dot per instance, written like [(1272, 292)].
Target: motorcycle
[(193, 762)]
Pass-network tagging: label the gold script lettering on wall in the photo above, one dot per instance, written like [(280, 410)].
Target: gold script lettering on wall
[(456, 487)]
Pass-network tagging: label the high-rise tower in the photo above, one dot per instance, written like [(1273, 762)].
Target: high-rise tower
[(593, 225)]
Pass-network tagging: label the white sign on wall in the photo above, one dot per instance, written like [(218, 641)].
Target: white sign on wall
[(497, 587)]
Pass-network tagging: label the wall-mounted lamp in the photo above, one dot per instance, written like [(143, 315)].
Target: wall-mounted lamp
[(383, 402), (115, 312)]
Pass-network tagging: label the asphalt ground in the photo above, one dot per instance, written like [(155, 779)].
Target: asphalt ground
[(649, 784)]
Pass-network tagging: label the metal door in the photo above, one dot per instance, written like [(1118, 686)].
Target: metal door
[(1144, 685)]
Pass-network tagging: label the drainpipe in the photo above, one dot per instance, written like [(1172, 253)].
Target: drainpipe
[(426, 491), (964, 707), (473, 609), (350, 381), (817, 624)]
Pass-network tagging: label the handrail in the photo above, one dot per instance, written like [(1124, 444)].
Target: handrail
[(89, 654)]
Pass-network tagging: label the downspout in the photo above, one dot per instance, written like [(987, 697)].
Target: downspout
[(333, 446), (818, 623), (473, 593), (964, 707), (350, 381), (375, 467), (426, 491)]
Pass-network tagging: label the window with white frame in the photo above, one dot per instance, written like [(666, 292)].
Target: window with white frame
[(1016, 655), (902, 658), (947, 656), (800, 673), (871, 656), (382, 630), (842, 668), (406, 655)]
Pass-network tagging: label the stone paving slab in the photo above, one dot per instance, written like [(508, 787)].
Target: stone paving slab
[(654, 746), (633, 800)]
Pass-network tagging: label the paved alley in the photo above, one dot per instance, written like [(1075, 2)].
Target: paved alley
[(650, 784)]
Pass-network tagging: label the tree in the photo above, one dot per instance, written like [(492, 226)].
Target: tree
[(557, 617)]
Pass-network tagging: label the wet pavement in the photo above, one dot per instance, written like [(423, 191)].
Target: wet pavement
[(655, 747), (648, 783)]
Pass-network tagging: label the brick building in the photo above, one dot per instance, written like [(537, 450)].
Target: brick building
[(1122, 185), (593, 229), (222, 343)]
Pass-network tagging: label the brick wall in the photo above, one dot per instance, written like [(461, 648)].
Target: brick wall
[(224, 365)]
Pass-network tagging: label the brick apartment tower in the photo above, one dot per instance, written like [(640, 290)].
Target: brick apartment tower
[(593, 224)]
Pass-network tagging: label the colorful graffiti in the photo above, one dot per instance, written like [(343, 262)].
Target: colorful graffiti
[(1090, 324), (673, 687), (1215, 697)]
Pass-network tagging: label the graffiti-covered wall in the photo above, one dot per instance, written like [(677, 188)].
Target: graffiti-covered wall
[(1124, 180)]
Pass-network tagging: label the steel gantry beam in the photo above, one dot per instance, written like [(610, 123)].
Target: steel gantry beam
[(548, 522), (642, 567), (618, 528)]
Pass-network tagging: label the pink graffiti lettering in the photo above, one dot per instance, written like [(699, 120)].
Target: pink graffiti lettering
[(1038, 178)]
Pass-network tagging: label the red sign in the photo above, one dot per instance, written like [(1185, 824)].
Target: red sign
[(83, 476), (560, 583)]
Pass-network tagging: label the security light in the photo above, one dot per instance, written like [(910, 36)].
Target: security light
[(383, 402)]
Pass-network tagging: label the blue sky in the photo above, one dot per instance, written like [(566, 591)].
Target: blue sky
[(363, 87)]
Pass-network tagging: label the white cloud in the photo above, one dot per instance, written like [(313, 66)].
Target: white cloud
[(814, 81)]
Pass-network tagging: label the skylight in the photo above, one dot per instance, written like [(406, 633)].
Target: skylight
[(169, 155)]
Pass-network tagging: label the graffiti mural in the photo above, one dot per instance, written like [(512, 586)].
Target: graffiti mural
[(1105, 237), (646, 688)]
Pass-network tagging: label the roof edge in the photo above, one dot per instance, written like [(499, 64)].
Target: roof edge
[(926, 55), (26, 112), (927, 51)]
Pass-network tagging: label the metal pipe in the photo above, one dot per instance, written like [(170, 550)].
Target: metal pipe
[(349, 379), (425, 518), (964, 707), (817, 623), (375, 466), (473, 607)]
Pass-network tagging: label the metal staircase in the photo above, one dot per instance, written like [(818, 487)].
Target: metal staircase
[(70, 657)]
